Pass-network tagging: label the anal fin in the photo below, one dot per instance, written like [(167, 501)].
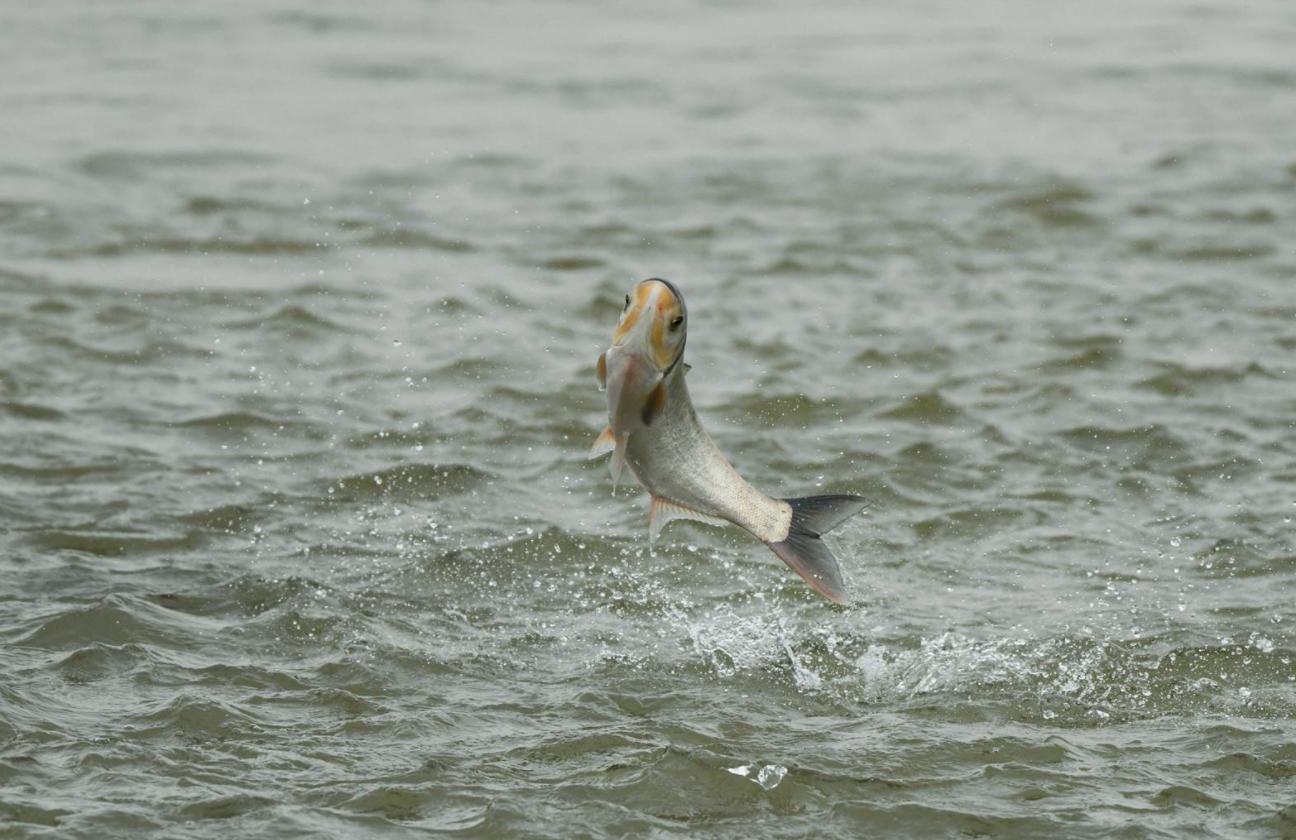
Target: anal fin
[(661, 511)]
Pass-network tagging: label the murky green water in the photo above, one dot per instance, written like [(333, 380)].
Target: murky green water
[(299, 306)]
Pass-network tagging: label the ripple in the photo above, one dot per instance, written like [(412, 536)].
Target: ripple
[(239, 423), (572, 262), (673, 784), (163, 350), (225, 807), (1094, 358), (321, 22), (116, 620), (1178, 795), (1238, 763), (199, 719), (245, 676), (152, 243), (324, 700), (1177, 379), (224, 518), (971, 523), (113, 544), (407, 237), (382, 71), (423, 479), (1204, 253), (927, 408), (31, 411), (292, 320), (28, 814), (763, 408), (473, 369), (68, 472), (118, 315), (935, 357), (1229, 557), (207, 205), (254, 595), (143, 165), (1059, 205), (1145, 442), (100, 661)]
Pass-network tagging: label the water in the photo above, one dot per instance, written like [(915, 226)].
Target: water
[(299, 307)]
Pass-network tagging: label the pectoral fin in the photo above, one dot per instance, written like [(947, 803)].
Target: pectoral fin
[(603, 444), (662, 511), (618, 461), (655, 403), (600, 371)]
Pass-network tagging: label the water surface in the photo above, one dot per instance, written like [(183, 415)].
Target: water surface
[(299, 305)]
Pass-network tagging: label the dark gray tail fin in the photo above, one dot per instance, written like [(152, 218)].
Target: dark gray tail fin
[(805, 552)]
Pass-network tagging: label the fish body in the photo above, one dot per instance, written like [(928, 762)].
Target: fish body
[(654, 430)]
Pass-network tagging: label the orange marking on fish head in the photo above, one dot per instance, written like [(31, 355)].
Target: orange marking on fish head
[(667, 339), (653, 321), (636, 304)]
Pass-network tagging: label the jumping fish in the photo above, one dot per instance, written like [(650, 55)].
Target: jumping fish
[(653, 429)]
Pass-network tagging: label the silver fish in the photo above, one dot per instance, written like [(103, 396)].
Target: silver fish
[(653, 428)]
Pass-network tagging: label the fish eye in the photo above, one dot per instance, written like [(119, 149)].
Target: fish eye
[(675, 322), (627, 304)]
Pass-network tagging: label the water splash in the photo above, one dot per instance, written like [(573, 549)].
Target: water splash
[(767, 776)]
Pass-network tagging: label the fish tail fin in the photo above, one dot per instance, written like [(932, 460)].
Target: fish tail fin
[(802, 549)]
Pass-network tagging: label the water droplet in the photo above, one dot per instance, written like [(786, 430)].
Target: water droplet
[(771, 774)]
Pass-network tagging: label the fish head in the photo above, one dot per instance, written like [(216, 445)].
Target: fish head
[(647, 347)]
